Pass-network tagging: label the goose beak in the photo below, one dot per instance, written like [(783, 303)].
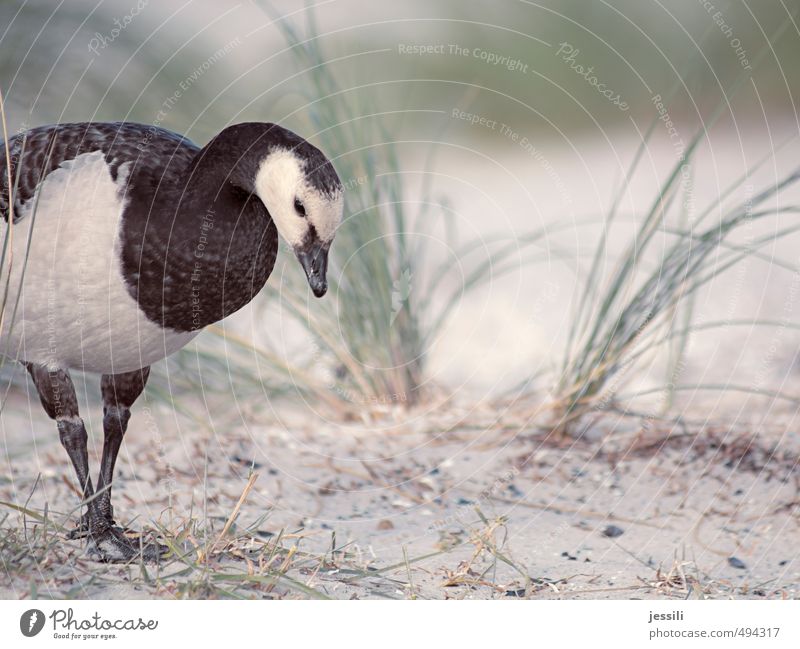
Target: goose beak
[(314, 260)]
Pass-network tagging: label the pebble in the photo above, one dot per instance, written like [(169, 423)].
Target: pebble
[(737, 563), (612, 531), (246, 462), (515, 491)]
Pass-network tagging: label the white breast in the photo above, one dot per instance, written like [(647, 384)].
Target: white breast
[(72, 307)]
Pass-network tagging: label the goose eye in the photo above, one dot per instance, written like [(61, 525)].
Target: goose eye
[(299, 208)]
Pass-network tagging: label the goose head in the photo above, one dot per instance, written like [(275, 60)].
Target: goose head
[(300, 189)]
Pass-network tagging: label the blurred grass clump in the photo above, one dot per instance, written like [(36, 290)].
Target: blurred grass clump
[(618, 323), (389, 294)]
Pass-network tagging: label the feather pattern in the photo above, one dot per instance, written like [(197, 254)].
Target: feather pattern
[(141, 238)]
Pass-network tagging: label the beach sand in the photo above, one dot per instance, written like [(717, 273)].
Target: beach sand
[(448, 509)]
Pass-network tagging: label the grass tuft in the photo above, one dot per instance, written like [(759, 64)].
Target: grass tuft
[(389, 295), (615, 323)]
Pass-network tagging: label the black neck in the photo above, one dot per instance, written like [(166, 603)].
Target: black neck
[(201, 249)]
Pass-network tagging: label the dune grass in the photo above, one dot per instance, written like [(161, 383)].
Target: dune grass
[(612, 333), (389, 293), (390, 297), (638, 311)]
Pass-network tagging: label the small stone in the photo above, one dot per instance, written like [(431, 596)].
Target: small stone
[(385, 524), (515, 491), (736, 563), (612, 531), (327, 490), (248, 462)]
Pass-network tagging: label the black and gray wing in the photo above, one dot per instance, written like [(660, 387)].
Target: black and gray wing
[(155, 153)]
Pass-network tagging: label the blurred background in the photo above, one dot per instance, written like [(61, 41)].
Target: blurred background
[(508, 119), (564, 294), (65, 61)]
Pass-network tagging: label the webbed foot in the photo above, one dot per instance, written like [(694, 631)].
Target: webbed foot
[(81, 530), (112, 546)]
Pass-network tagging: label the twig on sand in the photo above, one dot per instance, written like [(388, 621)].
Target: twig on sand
[(235, 512), (572, 510)]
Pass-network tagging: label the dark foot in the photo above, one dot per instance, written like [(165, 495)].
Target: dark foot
[(112, 546), (81, 530)]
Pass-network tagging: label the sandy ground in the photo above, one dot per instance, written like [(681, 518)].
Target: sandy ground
[(623, 513)]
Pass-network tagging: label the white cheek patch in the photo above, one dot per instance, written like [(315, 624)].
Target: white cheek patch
[(325, 213), (276, 183)]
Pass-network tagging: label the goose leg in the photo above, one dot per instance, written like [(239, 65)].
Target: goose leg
[(119, 392), (57, 394)]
